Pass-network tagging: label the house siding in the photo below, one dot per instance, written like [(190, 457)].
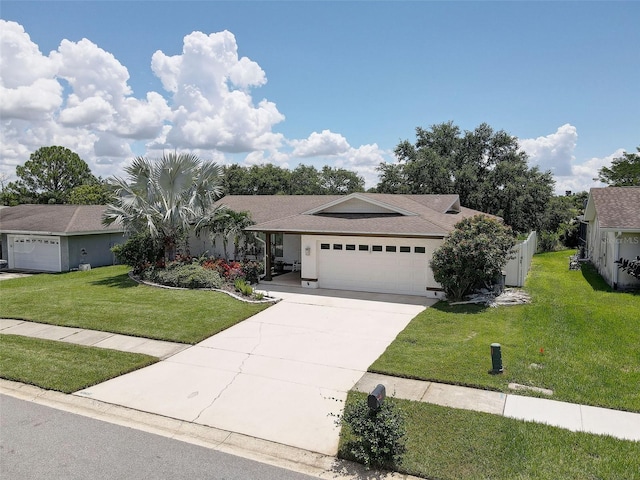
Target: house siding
[(98, 249), (605, 247)]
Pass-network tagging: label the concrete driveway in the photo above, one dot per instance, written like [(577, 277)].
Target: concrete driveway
[(279, 375)]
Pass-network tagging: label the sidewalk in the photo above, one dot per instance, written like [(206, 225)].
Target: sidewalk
[(571, 416), (91, 338)]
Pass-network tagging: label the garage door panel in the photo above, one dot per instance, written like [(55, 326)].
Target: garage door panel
[(35, 253), (386, 272)]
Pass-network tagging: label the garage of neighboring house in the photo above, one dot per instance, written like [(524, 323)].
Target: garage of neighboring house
[(34, 252), (363, 241), (56, 238)]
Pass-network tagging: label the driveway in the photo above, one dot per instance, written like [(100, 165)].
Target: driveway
[(281, 375)]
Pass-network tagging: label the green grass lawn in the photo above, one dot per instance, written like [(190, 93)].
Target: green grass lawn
[(107, 299), (446, 443), (577, 338), (63, 366)]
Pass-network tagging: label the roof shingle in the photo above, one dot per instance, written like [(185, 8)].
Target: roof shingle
[(617, 207), (55, 219), (286, 213)]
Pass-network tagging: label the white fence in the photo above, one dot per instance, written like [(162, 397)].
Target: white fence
[(517, 268)]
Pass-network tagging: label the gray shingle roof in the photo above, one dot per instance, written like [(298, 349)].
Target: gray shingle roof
[(285, 213), (55, 219), (617, 207)]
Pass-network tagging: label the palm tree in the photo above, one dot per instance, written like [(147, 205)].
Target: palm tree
[(229, 224), (236, 224), (165, 198)]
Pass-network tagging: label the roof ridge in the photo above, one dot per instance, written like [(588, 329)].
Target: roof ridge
[(72, 219)]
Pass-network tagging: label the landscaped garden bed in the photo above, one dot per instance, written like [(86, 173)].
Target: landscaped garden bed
[(206, 273)]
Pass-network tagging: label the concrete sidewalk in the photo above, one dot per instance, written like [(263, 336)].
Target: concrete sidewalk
[(574, 417), (91, 338), (571, 416)]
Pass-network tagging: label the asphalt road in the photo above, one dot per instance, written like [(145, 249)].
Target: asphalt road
[(38, 442)]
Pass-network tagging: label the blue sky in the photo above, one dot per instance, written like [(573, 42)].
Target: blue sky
[(337, 83)]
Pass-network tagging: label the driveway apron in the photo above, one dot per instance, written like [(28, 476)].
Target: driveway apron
[(282, 375)]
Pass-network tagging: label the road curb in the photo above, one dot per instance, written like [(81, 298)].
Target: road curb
[(263, 451)]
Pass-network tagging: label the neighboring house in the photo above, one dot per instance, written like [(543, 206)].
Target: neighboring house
[(612, 216), (365, 242), (57, 238)]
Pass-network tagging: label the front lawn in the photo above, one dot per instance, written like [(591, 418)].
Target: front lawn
[(107, 299), (451, 444), (577, 338), (63, 366)]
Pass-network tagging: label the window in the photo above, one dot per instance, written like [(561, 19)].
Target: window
[(363, 248), (390, 248), (376, 248), (405, 249), (350, 247), (337, 246), (277, 244), (324, 246), (419, 250)]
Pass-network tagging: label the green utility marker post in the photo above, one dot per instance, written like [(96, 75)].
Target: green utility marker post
[(496, 358)]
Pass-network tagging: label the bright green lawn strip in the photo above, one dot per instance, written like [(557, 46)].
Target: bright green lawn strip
[(62, 366), (589, 336), (446, 443), (106, 299)]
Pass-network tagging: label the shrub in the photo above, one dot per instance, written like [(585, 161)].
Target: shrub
[(244, 288), (548, 242), (374, 437), (252, 270), (186, 276), (138, 252), (472, 256)]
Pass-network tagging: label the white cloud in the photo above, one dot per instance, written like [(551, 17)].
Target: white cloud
[(79, 96), (212, 106), (96, 115), (21, 62), (582, 175), (553, 152), (364, 160), (317, 144)]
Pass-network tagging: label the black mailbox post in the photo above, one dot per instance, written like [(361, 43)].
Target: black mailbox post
[(376, 397)]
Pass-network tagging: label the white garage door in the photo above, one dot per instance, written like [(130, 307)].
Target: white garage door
[(373, 266), (34, 253)]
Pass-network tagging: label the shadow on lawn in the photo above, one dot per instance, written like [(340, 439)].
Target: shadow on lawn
[(458, 309), (594, 279), (118, 281)]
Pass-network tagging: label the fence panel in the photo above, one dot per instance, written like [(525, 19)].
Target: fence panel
[(517, 268)]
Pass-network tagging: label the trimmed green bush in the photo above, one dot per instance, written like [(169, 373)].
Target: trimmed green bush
[(376, 438), (473, 256), (185, 276), (139, 251)]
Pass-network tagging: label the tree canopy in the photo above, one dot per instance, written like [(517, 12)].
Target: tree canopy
[(303, 180), (624, 171), (485, 168), (49, 176)]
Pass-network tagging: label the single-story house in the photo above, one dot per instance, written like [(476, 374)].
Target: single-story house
[(57, 238), (612, 217), (363, 241)]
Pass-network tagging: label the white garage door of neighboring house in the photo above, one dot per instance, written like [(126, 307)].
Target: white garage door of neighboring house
[(34, 252), (374, 266)]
